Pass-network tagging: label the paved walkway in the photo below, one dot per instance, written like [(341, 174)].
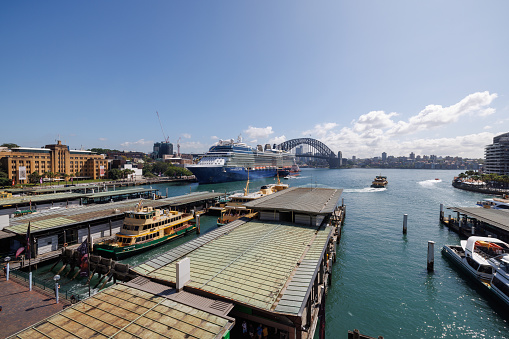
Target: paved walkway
[(22, 308)]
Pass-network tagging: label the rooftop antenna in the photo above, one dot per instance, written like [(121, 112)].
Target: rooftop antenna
[(178, 147), (162, 130)]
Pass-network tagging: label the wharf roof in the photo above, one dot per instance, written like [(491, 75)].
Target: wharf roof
[(38, 198), (269, 266), (60, 189), (119, 192), (300, 199), (126, 310), (73, 215), (496, 217)]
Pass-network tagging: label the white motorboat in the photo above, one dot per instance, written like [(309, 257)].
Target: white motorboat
[(486, 259), (495, 203)]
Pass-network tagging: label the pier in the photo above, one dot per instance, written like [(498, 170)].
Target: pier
[(69, 226), (478, 221), (273, 272)]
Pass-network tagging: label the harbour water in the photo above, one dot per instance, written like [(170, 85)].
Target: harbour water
[(380, 284)]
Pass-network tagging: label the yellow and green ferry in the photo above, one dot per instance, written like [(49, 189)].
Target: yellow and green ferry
[(144, 228)]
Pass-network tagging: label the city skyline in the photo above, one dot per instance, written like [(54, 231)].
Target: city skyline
[(361, 79)]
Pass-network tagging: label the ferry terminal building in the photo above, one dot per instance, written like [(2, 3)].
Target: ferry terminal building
[(20, 162)]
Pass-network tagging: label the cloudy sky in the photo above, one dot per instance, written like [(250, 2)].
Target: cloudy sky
[(364, 77)]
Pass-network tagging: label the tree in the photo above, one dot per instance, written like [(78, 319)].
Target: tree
[(9, 145), (114, 174), (34, 177), (4, 179)]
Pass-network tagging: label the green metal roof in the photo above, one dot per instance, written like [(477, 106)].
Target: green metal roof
[(38, 198), (119, 192), (300, 199), (250, 263), (73, 215), (124, 311)]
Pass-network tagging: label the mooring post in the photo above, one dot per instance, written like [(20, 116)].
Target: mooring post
[(431, 255), (166, 192), (405, 219), (473, 230), (198, 224), (109, 222), (441, 212)]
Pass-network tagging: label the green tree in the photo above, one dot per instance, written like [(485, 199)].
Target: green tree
[(114, 174), (4, 179), (34, 177), (9, 145)]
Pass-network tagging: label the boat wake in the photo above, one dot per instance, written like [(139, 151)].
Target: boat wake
[(429, 183), (364, 190)]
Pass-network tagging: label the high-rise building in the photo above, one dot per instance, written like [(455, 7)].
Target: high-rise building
[(161, 149), (384, 156), (412, 156), (497, 155)]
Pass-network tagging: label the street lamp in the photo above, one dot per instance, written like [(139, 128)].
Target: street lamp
[(7, 259), (56, 278)]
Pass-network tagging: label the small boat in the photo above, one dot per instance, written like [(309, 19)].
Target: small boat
[(235, 209), (437, 179), (379, 182), (144, 228), (486, 260), (495, 203)]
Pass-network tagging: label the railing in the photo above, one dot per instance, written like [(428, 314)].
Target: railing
[(45, 285)]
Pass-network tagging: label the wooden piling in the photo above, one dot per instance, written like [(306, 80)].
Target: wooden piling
[(431, 256), (405, 219)]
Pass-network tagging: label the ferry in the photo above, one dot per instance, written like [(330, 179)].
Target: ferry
[(235, 209), (144, 228), (495, 203), (486, 260), (232, 160), (379, 182)]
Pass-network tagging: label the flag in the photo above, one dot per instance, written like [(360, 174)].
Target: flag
[(19, 251), (40, 180), (12, 182), (28, 251), (83, 256)]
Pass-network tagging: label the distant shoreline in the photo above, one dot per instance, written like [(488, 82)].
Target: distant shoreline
[(479, 188)]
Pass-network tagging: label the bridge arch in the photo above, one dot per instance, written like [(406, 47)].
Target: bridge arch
[(324, 151)]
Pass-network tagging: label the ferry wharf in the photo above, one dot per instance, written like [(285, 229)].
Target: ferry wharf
[(271, 273), (478, 221), (38, 202), (55, 229)]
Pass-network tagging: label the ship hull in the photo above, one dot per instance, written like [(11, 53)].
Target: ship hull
[(127, 251), (218, 174)]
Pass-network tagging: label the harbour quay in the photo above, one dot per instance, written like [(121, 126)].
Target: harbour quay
[(65, 197), (58, 228), (272, 275), (275, 270), (470, 221)]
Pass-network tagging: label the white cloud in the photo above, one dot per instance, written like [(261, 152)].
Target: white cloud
[(487, 127), (214, 137), (259, 132), (435, 115), (277, 140), (186, 135), (141, 145), (103, 139), (377, 131)]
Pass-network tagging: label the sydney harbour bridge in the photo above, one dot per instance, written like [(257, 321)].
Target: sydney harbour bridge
[(320, 150)]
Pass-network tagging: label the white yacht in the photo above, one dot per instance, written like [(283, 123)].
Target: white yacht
[(500, 281)]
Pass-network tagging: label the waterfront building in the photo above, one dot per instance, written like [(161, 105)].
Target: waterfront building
[(497, 155), (384, 156), (19, 162)]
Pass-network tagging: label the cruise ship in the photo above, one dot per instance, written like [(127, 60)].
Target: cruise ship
[(228, 160)]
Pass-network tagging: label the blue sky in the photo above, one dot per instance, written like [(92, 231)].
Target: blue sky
[(364, 77)]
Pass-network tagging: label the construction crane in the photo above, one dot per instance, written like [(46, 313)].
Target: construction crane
[(178, 147), (166, 139)]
